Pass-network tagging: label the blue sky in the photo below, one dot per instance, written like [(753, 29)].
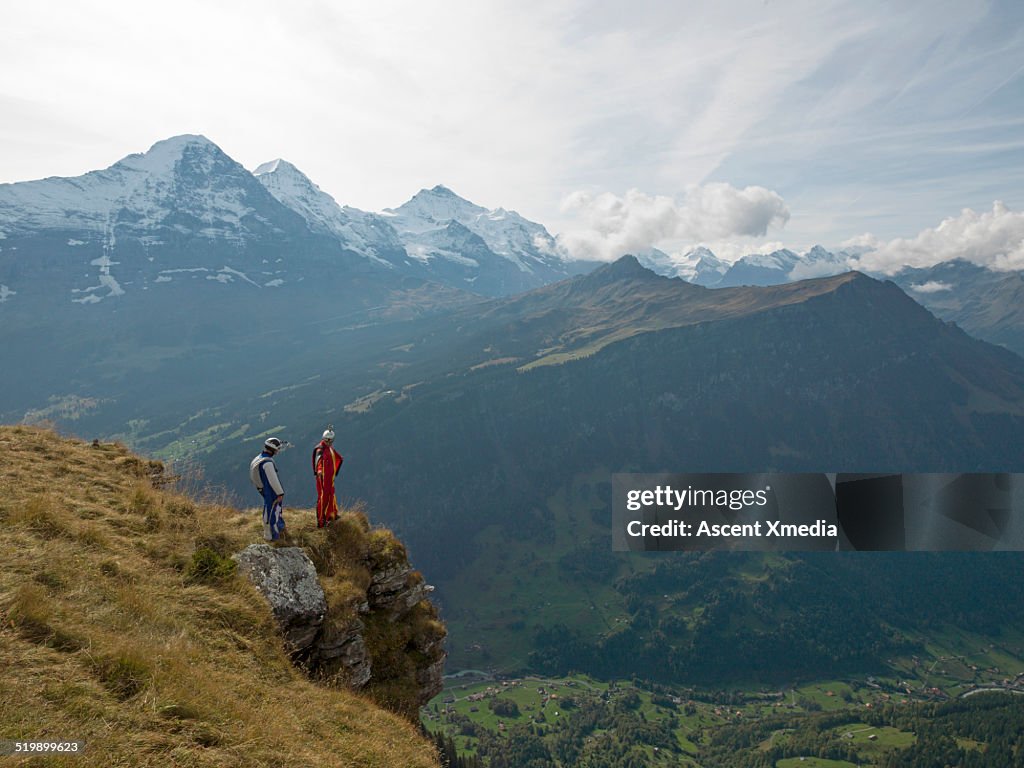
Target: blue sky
[(743, 124)]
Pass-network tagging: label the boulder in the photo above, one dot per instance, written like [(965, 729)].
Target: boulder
[(287, 579)]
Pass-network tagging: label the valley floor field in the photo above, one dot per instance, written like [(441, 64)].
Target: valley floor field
[(483, 711)]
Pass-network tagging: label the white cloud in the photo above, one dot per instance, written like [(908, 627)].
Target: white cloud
[(932, 286), (808, 270), (613, 225), (720, 210), (993, 239), (867, 240)]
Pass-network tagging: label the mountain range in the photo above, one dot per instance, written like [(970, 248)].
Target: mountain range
[(435, 235), (154, 218), (703, 267), (984, 302), (185, 213)]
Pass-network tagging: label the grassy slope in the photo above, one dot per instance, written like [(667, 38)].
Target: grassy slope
[(105, 639)]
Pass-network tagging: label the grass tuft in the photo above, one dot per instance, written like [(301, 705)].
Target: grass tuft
[(180, 712), (113, 569), (50, 580), (209, 567), (91, 536), (31, 613), (385, 551), (124, 673), (178, 507), (40, 515)]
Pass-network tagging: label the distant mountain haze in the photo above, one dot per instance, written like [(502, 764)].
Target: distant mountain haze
[(984, 302)]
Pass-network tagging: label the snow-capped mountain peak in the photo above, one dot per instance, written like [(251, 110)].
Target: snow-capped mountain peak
[(430, 208), (441, 189), (292, 187), (270, 166), (181, 210), (182, 174), (704, 259), (364, 233), (657, 261), (707, 269), (528, 245), (781, 259), (702, 252), (818, 253), (164, 156), (819, 262)]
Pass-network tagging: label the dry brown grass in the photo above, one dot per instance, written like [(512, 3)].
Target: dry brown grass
[(105, 638)]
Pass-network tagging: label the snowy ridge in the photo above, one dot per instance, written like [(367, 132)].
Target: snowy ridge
[(660, 262), (784, 266), (699, 265), (819, 262), (526, 244), (702, 267), (365, 233), (184, 204), (783, 259), (135, 194)]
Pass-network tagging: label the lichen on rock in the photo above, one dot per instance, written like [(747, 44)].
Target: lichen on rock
[(286, 577)]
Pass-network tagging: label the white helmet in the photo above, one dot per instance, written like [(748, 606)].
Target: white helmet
[(272, 444), (328, 434)]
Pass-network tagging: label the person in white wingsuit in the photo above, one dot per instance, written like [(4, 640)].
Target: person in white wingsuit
[(263, 473)]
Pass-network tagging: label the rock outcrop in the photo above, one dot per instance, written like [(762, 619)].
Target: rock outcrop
[(396, 590), (353, 611), (346, 649)]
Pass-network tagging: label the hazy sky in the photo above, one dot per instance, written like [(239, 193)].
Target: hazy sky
[(617, 124)]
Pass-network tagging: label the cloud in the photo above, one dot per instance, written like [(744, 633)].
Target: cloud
[(613, 226), (721, 210), (993, 239), (866, 241), (807, 270), (932, 286)]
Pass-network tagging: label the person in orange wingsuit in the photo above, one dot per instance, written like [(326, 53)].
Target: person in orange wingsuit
[(326, 465)]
